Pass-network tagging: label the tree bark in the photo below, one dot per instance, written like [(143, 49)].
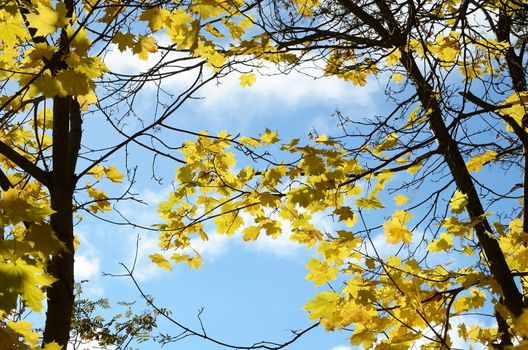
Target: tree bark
[(60, 294)]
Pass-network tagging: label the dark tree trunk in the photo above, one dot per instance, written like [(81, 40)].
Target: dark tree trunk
[(66, 139)]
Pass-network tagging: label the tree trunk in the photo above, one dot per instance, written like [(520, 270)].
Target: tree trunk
[(60, 294)]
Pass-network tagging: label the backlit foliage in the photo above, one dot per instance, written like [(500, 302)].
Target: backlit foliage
[(53, 77), (418, 177), (426, 230)]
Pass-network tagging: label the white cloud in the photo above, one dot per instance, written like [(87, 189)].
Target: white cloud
[(280, 247), (271, 91), (341, 347), (216, 246), (86, 267)]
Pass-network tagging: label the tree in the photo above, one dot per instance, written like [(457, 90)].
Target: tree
[(458, 92), (53, 79)]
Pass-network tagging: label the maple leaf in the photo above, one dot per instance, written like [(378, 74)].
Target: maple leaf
[(43, 240), (269, 137), (251, 233), (12, 27), (395, 230), (413, 169), (124, 41), (45, 84), (391, 140), (47, 20), (369, 203), (160, 260), (23, 328), (74, 83), (323, 307), (16, 208), (101, 200), (247, 79), (52, 346), (156, 17), (394, 57), (477, 162), (397, 77), (143, 46), (21, 278), (442, 244), (206, 8), (458, 202), (400, 199), (113, 175), (97, 171), (320, 272)]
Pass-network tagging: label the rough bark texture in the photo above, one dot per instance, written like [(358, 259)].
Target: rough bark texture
[(60, 294)]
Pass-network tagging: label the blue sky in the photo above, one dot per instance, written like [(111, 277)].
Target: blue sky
[(249, 292)]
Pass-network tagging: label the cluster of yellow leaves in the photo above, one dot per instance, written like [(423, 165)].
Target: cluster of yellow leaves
[(101, 202), (252, 202), (395, 229), (516, 107), (32, 63), (26, 246), (514, 243)]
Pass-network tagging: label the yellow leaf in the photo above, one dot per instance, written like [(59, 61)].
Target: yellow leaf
[(521, 324), (206, 8), (323, 307), (395, 230), (98, 172), (476, 163), (251, 141), (155, 16), (52, 346), (369, 203), (269, 137), (113, 175), (20, 278), (445, 242), (143, 46), (247, 79), (458, 202), (124, 41), (23, 328), (398, 77), (160, 260), (74, 83), (101, 200), (346, 215), (400, 199), (320, 272), (12, 26), (45, 84), (394, 57), (413, 169), (250, 233), (47, 20), (390, 141), (195, 262)]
